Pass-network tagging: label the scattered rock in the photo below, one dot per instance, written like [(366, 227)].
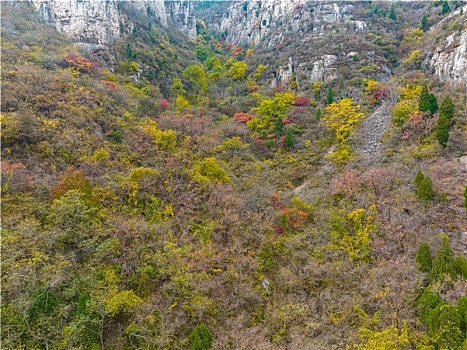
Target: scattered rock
[(372, 132)]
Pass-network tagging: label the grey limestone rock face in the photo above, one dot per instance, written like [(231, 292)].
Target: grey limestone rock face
[(181, 15), (94, 22), (252, 22), (102, 22), (450, 59)]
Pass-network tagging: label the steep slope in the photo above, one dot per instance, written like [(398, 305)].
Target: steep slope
[(103, 22), (199, 194), (369, 137), (449, 59)]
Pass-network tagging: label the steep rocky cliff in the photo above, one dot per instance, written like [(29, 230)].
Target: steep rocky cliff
[(278, 24), (271, 20), (102, 22), (450, 59)]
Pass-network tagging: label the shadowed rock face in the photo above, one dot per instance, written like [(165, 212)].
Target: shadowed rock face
[(103, 22)]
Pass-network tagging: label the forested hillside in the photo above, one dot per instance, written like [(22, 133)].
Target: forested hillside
[(305, 188)]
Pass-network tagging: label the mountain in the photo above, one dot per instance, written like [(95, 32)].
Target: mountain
[(233, 175), (103, 22)]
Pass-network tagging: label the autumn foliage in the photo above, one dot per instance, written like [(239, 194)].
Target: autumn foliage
[(71, 180), (109, 83), (243, 117), (164, 103), (82, 64), (301, 101), (16, 177)]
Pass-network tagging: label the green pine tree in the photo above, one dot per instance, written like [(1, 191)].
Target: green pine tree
[(330, 96), (445, 327), (465, 197), (425, 189), (288, 139), (444, 263), (461, 307), (461, 266), (423, 258), (445, 8), (428, 301), (418, 178), (424, 23), (392, 12), (424, 103), (318, 113), (442, 131), (433, 103), (279, 125), (201, 338), (447, 109), (129, 52)]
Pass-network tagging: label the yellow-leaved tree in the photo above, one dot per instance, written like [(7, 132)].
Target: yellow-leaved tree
[(342, 116)]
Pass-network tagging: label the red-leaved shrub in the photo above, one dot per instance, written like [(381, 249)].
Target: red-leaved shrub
[(108, 83), (164, 103), (242, 117), (16, 177), (81, 63), (301, 101)]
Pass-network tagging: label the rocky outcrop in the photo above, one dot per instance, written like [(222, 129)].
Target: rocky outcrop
[(275, 24), (181, 15), (270, 20), (450, 59), (94, 22), (102, 22)]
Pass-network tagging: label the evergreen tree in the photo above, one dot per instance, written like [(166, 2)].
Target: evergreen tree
[(445, 8), (423, 258), (462, 311), (201, 338), (442, 131), (288, 139), (428, 301), (425, 189), (444, 263), (129, 52), (447, 109), (392, 12), (424, 23), (465, 197), (279, 125), (330, 96), (433, 103), (424, 103), (418, 178), (445, 327), (318, 113), (461, 266)]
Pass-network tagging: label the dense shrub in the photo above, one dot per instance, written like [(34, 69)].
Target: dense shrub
[(82, 64), (423, 258), (201, 338)]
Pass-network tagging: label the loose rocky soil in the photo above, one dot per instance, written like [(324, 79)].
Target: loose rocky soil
[(368, 138)]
